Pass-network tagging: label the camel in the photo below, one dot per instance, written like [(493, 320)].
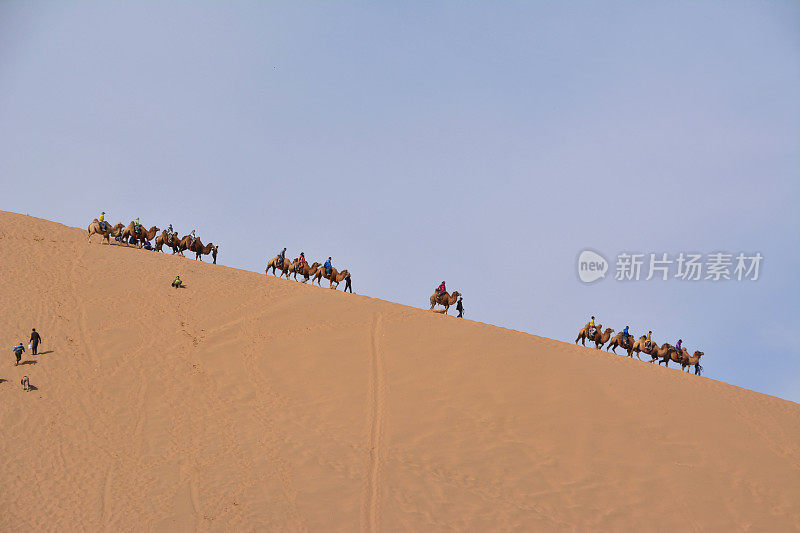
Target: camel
[(693, 360), (639, 346), (601, 338), (668, 353), (444, 299), (200, 250), (105, 232), (273, 264), (616, 342), (583, 334), (306, 271), (148, 235), (173, 242), (335, 278)]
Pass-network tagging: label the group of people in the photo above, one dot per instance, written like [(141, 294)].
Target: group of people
[(328, 266), (627, 341), (19, 349), (442, 289), (138, 232)]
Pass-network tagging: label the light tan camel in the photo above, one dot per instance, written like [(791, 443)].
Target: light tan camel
[(284, 269), (442, 298), (106, 231), (693, 360), (305, 271), (335, 278), (668, 353), (640, 346)]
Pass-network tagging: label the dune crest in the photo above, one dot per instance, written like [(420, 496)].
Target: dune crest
[(254, 403)]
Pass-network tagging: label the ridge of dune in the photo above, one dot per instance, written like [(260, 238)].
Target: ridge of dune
[(250, 402)]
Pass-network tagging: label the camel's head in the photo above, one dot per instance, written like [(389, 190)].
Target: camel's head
[(315, 264), (456, 294), (698, 354), (610, 330)]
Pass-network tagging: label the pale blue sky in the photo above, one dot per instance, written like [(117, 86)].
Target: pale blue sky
[(485, 143)]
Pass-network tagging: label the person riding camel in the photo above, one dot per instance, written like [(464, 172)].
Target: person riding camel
[(328, 268), (170, 233), (194, 238), (302, 261), (102, 220), (592, 327), (137, 228), (647, 341), (679, 348), (441, 289), (625, 336), (281, 258)]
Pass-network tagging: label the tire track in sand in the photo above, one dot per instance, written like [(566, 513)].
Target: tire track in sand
[(377, 406)]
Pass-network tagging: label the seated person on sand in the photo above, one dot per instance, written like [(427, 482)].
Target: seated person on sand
[(177, 283)]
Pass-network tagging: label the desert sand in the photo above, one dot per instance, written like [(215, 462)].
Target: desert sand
[(245, 402)]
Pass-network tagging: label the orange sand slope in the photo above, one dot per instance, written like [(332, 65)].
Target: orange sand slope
[(251, 403)]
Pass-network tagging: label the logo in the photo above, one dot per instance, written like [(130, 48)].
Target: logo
[(591, 266)]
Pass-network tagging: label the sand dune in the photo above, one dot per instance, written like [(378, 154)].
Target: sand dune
[(251, 403)]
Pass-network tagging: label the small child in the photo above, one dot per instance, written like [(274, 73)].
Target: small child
[(18, 351)]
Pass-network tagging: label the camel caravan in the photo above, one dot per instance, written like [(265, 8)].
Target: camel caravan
[(643, 345), (135, 234), (281, 266)]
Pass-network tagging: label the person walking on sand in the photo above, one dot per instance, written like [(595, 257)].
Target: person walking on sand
[(35, 340), (347, 284), (19, 349), (460, 308)]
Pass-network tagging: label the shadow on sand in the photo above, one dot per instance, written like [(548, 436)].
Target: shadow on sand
[(28, 362), (45, 353)]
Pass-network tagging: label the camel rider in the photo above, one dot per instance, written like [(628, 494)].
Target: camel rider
[(302, 261), (102, 220), (136, 226), (441, 289), (281, 258), (625, 336), (170, 232), (592, 327), (648, 342), (328, 268), (194, 238), (679, 348)]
